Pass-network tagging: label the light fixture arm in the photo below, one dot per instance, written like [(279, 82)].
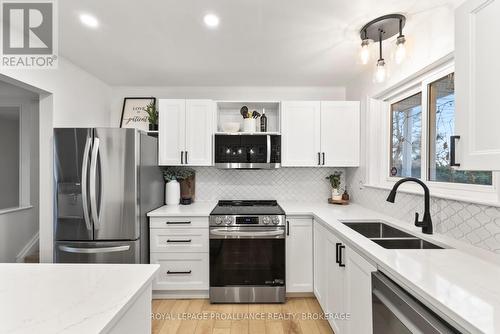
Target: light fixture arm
[(381, 33)]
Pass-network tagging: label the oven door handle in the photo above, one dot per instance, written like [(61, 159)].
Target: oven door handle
[(254, 234)]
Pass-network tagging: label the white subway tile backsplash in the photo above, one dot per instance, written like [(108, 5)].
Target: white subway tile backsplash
[(285, 184)]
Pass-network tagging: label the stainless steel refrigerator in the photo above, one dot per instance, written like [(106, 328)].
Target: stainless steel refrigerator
[(106, 180)]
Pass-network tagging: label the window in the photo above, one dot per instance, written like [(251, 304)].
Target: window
[(407, 142), (10, 153), (441, 127), (406, 136)]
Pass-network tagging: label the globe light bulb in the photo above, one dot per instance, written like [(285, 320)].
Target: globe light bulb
[(365, 52), (400, 50), (380, 71)]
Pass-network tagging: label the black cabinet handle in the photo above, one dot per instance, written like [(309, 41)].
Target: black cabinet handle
[(287, 227), (323, 158), (186, 157), (337, 252), (178, 240), (178, 272), (178, 223), (341, 247), (182, 157), (453, 163), (319, 159)]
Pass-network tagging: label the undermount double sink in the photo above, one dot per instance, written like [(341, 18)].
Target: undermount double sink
[(390, 237)]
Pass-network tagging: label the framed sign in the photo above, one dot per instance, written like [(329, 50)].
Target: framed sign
[(134, 113)]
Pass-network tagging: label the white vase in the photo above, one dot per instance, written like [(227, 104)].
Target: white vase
[(172, 192), (336, 195), (249, 125)]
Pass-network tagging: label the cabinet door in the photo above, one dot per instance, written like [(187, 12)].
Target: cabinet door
[(299, 255), (172, 131), (320, 264), (340, 133), (358, 292), (300, 133), (199, 132), (476, 84), (335, 284)]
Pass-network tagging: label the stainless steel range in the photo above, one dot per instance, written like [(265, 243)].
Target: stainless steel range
[(247, 252)]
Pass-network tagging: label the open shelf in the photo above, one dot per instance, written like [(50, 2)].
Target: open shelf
[(246, 133), (229, 111)]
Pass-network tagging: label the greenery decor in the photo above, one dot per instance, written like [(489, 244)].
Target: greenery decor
[(152, 113), (334, 179), (177, 173)]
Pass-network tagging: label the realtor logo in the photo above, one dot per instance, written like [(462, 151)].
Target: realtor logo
[(28, 34)]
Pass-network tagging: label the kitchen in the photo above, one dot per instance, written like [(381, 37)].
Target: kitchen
[(236, 167)]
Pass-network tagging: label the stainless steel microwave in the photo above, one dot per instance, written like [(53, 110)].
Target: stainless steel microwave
[(240, 151)]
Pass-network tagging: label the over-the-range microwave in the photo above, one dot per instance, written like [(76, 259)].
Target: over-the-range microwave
[(252, 151)]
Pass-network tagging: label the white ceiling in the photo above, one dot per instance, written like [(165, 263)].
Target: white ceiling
[(258, 42)]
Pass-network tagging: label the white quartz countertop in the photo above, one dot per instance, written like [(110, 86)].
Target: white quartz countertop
[(197, 209), (68, 298), (460, 283)]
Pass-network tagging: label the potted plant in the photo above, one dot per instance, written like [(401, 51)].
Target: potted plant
[(179, 185), (152, 116), (335, 183)]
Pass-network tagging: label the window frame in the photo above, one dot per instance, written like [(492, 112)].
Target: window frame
[(378, 174)]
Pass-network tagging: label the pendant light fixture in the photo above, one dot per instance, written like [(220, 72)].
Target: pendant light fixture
[(378, 30)]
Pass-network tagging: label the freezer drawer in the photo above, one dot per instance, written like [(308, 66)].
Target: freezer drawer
[(98, 252)]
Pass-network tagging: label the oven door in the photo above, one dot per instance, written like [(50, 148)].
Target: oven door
[(248, 257)]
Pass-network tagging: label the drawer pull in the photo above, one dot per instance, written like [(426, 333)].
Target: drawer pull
[(178, 272), (178, 240), (178, 223)]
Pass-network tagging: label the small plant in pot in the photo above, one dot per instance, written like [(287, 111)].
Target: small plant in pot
[(335, 183), (180, 185), (152, 116)]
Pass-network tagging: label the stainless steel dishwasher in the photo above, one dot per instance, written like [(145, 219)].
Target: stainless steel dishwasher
[(395, 311)]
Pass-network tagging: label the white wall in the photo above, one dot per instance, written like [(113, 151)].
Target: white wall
[(19, 227), (431, 38), (69, 97), (223, 93)]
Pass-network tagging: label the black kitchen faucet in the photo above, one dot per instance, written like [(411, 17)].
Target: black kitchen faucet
[(426, 223)]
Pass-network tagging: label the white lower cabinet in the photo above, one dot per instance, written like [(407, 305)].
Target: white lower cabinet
[(299, 255), (180, 246), (181, 271), (342, 283)]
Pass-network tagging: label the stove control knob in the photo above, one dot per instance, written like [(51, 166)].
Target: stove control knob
[(266, 220), (276, 220), (218, 220), (228, 220)]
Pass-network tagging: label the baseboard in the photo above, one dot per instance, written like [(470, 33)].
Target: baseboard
[(194, 294), (29, 248), (299, 294)]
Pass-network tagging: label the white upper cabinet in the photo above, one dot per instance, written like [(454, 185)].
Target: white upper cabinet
[(300, 133), (199, 132), (340, 133), (320, 133), (171, 131), (185, 132), (299, 255), (477, 70)]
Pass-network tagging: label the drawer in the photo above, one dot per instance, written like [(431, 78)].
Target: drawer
[(179, 240), (181, 271), (178, 222)]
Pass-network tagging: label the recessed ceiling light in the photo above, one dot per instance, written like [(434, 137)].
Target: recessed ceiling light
[(89, 20), (211, 20)]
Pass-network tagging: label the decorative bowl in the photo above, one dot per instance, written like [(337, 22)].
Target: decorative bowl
[(231, 127)]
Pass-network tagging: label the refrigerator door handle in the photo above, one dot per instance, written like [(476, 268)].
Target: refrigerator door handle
[(96, 250), (93, 183), (85, 170)]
